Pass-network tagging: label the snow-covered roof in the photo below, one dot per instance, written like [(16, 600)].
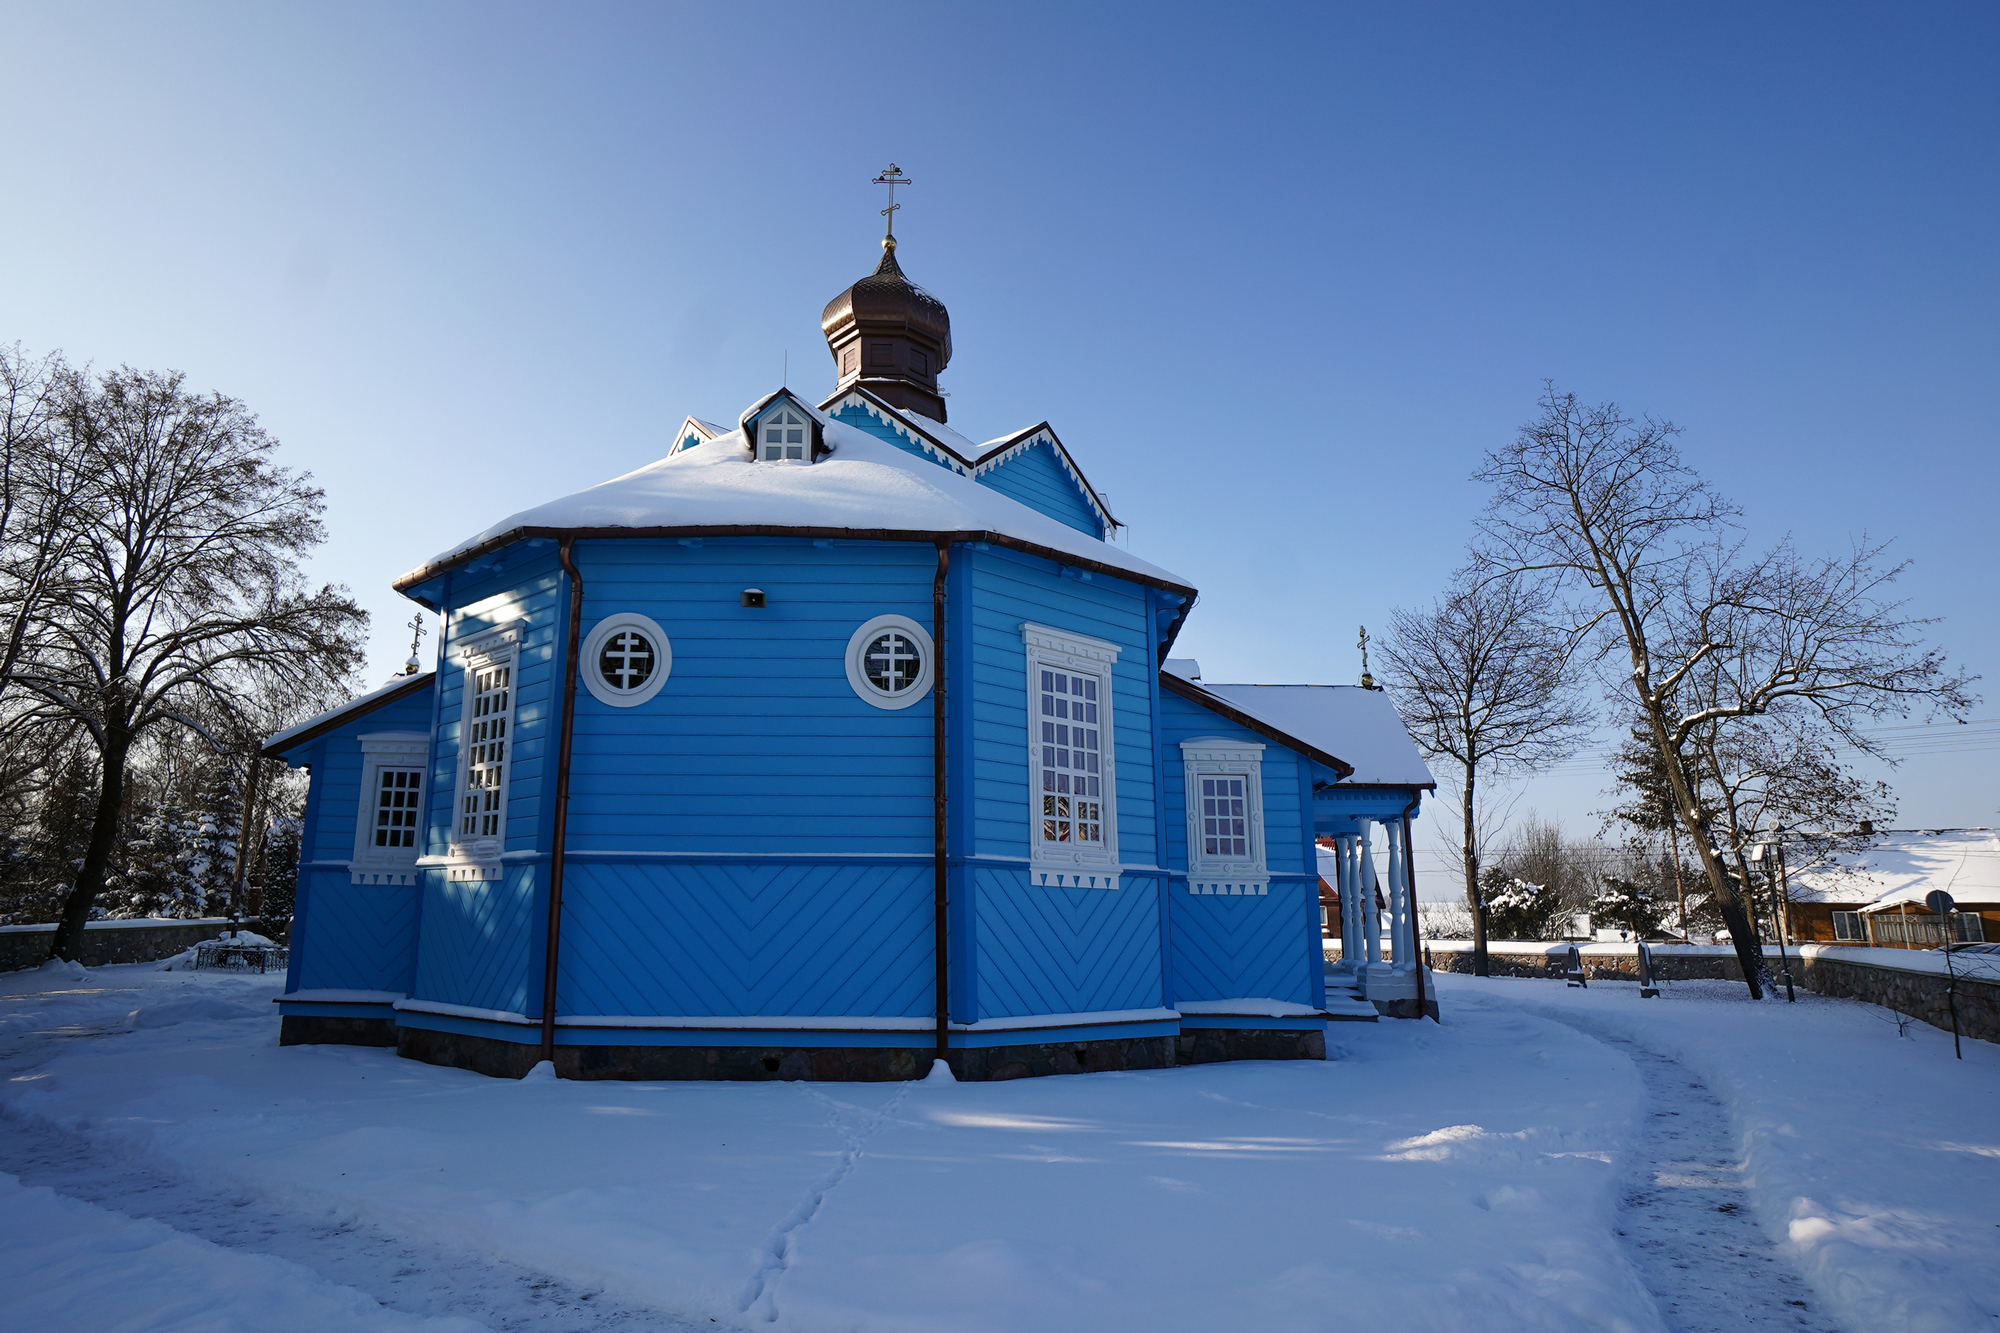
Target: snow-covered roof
[(1360, 726), (358, 706), (1187, 668), (864, 485), (1905, 865)]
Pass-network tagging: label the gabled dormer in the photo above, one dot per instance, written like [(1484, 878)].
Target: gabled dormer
[(782, 429), (693, 432), (1032, 466)]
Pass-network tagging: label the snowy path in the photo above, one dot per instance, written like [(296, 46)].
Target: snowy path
[(399, 1273), (1684, 1212)]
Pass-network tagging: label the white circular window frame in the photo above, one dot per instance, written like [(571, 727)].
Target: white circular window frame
[(858, 678), (593, 644)]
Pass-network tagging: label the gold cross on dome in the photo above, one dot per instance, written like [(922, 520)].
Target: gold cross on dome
[(891, 176)]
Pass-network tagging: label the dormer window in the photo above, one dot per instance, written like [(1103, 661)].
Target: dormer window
[(786, 437)]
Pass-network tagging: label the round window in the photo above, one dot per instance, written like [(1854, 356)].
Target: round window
[(889, 662), (625, 660)]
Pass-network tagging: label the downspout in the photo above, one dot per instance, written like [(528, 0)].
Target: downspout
[(558, 837), (1410, 887), (941, 931)]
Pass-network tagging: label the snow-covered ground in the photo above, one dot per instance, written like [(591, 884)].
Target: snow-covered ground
[(170, 1167)]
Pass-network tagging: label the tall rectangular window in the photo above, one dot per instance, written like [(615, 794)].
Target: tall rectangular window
[(1072, 759), (1072, 782), (1225, 814), (396, 804), (386, 825), (482, 802)]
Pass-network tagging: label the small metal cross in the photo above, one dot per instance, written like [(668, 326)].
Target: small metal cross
[(892, 176), (416, 637), (1367, 681)]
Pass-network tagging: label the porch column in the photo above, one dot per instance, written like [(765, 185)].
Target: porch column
[(1349, 885), (1399, 901), (1371, 918)]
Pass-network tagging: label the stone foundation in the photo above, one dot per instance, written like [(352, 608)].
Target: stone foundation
[(321, 1030), (1918, 994), (833, 1064)]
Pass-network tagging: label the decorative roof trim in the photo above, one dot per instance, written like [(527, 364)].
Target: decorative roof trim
[(1195, 694), (285, 741), (860, 396), (928, 538), (694, 426), (1012, 446)]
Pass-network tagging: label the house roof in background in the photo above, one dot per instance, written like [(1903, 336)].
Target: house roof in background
[(1905, 865)]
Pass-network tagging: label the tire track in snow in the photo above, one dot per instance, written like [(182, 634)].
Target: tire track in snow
[(1684, 1212), (759, 1298)]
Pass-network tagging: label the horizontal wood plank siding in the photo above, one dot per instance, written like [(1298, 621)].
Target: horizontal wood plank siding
[(336, 772), (1037, 478), (743, 938), (757, 742), (1228, 948)]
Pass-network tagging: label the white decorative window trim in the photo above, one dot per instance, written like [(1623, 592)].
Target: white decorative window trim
[(857, 665), (496, 647), (1220, 758), (1055, 864), (591, 667), (400, 751), (792, 426)]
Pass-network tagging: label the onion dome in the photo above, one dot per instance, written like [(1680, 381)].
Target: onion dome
[(891, 337)]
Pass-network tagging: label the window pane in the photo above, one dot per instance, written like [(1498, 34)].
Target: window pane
[(793, 452)]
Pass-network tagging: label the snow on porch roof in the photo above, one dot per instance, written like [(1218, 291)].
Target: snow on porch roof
[(1361, 726), (864, 486), (1905, 865)]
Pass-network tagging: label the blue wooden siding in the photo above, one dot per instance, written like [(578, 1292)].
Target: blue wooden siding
[(1007, 590), (480, 942), (746, 938), (1037, 478), (336, 772), (1063, 951), (358, 936), (757, 742), (1230, 948), (521, 584)]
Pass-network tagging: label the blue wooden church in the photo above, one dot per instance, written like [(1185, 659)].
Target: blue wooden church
[(831, 743)]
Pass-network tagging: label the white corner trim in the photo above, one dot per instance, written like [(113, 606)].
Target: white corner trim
[(857, 675), (603, 690)]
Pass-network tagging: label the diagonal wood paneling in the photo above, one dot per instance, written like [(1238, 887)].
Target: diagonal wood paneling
[(1064, 951), (476, 940), (746, 938), (360, 936), (1228, 948)]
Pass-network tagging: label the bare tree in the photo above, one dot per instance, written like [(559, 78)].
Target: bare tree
[(1482, 679), (1605, 508), (181, 590), (39, 485)]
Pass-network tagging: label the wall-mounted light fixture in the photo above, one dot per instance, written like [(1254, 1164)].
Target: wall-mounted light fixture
[(753, 597)]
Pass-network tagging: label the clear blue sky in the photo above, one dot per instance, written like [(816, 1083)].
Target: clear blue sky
[(1277, 275)]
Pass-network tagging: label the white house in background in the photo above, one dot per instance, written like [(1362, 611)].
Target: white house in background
[(1877, 896)]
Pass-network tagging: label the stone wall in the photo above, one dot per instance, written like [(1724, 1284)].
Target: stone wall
[(111, 941), (1918, 994), (1616, 962)]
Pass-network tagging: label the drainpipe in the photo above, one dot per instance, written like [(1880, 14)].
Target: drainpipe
[(564, 552), (1410, 887), (938, 888)]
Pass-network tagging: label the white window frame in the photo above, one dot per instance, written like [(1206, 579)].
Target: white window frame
[(1968, 928), (1218, 757), (803, 428), (1857, 928), (1066, 865), (391, 750), (857, 674), (603, 690), (500, 646)]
